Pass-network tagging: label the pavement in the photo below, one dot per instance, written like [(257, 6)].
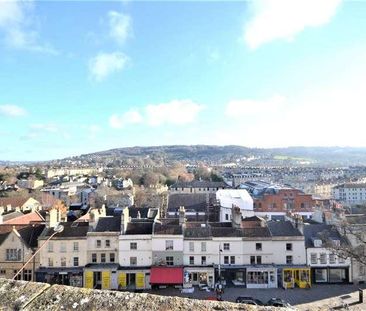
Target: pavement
[(319, 297)]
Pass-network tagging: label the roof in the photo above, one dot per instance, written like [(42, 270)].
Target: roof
[(3, 236), (14, 201), (71, 230), (198, 231), (12, 215), (351, 185), (196, 202), (322, 232), (200, 184), (109, 224), (283, 228), (161, 228), (25, 219), (139, 228), (30, 234)]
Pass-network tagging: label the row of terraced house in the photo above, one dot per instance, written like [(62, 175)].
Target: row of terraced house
[(135, 249)]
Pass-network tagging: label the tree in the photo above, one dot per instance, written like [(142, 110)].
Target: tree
[(354, 245)]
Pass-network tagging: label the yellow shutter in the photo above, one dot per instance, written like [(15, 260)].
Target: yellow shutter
[(106, 279), (89, 279), (122, 280), (140, 280)]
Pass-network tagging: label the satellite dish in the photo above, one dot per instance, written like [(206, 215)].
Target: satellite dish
[(59, 228)]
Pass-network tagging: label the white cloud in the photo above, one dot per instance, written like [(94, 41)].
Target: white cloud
[(130, 117), (105, 64), (250, 107), (120, 26), (16, 22), (177, 112), (283, 19), (12, 111)]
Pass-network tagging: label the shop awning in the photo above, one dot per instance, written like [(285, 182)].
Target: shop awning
[(166, 275)]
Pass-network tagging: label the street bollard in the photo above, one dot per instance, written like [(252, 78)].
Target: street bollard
[(360, 295)]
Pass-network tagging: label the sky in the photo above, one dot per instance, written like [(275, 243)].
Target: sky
[(79, 77)]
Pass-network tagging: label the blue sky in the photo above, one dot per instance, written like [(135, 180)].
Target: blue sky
[(78, 77)]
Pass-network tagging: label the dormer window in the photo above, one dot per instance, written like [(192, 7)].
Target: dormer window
[(317, 242)]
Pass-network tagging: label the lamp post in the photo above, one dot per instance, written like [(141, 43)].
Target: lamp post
[(57, 229)]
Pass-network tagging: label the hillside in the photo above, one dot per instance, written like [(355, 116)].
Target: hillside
[(217, 155)]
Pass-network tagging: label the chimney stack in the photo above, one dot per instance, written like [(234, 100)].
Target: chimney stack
[(235, 216), (182, 215)]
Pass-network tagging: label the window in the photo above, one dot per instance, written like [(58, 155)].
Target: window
[(102, 257), (133, 261), (191, 260), (27, 275), (289, 260), (50, 261), (94, 257), (76, 246), (289, 246), (259, 260), (13, 254), (313, 258), (76, 261), (169, 260), (169, 245), (203, 260), (63, 261), (323, 258), (302, 205), (252, 260), (232, 260), (2, 271), (19, 276), (341, 260), (226, 260), (99, 243), (332, 259), (203, 246), (226, 246), (191, 246), (107, 243), (133, 245), (226, 216), (50, 247), (62, 247), (258, 246), (112, 257)]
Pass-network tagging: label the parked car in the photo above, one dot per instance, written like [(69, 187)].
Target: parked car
[(278, 302), (249, 301)]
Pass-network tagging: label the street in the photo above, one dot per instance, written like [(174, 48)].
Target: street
[(304, 299)]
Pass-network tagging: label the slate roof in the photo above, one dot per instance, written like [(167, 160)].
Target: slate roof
[(283, 228), (30, 234), (109, 224), (3, 236), (198, 232), (321, 231), (139, 228), (199, 184), (196, 202), (162, 228), (71, 230)]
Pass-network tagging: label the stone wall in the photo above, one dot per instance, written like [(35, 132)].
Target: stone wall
[(20, 295)]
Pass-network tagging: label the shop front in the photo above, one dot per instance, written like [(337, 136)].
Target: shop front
[(63, 276), (101, 276), (199, 276), (133, 279), (261, 277), (166, 276), (296, 277), (326, 275)]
